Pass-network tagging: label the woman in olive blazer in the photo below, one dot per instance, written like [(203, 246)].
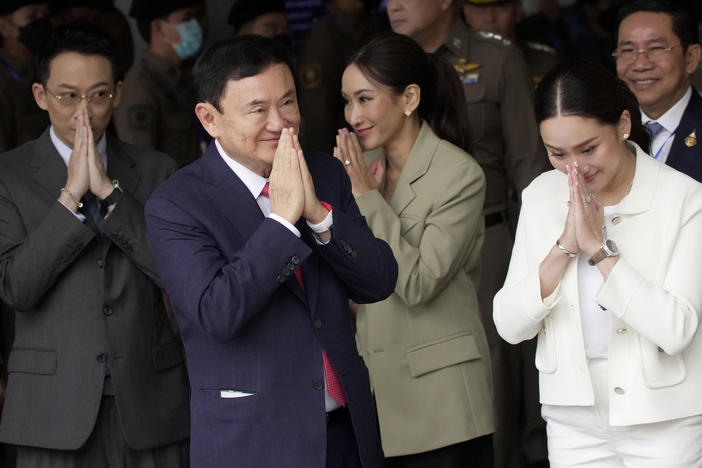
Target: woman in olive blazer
[(425, 345)]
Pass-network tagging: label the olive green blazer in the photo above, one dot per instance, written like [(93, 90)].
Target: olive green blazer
[(425, 345)]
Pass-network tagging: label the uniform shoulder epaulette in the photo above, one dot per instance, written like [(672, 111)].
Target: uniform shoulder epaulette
[(493, 37), (540, 47)]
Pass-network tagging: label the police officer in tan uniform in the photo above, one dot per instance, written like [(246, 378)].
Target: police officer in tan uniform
[(501, 18), (505, 141), (23, 28), (321, 62), (158, 100)]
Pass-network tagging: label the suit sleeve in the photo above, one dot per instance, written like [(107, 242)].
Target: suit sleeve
[(364, 263), (518, 310), (451, 232), (31, 262), (525, 157), (219, 293)]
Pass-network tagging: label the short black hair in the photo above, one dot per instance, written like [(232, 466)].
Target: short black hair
[(684, 25), (234, 59), (81, 38)]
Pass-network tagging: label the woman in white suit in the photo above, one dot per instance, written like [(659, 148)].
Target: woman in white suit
[(607, 271)]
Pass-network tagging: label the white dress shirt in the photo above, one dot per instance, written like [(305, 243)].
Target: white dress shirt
[(660, 146)]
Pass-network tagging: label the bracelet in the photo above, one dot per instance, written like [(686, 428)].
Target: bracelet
[(73, 198), (564, 250)]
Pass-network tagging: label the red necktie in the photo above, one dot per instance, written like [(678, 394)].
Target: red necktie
[(333, 384)]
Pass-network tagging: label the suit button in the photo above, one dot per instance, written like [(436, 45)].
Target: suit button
[(318, 385), (280, 278), (100, 263), (102, 357), (622, 331), (619, 390), (317, 324), (107, 310), (295, 260), (616, 220)]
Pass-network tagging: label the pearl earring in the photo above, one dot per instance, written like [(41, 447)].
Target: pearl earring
[(625, 136), (408, 113)]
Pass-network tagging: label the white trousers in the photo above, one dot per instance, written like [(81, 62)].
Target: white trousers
[(580, 436)]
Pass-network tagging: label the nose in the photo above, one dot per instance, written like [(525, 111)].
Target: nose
[(352, 115), (642, 61), (276, 122), (393, 5)]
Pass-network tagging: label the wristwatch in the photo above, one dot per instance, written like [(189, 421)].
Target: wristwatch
[(114, 196), (608, 249)]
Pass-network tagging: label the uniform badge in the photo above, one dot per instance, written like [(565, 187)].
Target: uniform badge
[(464, 69), (311, 75), (691, 139)]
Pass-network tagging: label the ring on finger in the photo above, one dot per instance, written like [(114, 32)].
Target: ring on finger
[(588, 199), (347, 162)]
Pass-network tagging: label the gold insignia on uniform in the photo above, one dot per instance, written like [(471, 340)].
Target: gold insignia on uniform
[(464, 69), (536, 79), (311, 75), (691, 139)]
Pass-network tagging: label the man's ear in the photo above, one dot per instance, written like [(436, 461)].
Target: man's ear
[(208, 116), (40, 96), (692, 58), (117, 94)]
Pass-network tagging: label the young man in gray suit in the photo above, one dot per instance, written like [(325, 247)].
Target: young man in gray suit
[(96, 374)]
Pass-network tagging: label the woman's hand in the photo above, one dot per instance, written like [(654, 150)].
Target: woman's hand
[(588, 214), (363, 178)]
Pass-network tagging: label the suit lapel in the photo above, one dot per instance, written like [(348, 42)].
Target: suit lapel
[(681, 156), (121, 166), (416, 166), (48, 167), (233, 199)]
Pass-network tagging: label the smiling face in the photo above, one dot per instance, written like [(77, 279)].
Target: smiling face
[(254, 111), (599, 150), (658, 84), (71, 73), (373, 111)]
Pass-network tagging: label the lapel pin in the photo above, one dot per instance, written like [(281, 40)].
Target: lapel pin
[(691, 139)]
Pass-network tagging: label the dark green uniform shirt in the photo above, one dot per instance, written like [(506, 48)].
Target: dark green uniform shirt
[(21, 119), (157, 110)]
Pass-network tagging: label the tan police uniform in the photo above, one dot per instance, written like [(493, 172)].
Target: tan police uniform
[(21, 119), (157, 110), (540, 58), (321, 62), (505, 141)]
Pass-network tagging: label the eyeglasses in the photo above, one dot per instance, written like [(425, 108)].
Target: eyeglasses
[(71, 98), (629, 55)]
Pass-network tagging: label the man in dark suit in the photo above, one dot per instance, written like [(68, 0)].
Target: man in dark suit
[(657, 52), (96, 375), (260, 255)]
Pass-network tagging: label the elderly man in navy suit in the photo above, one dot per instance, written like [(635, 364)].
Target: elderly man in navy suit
[(657, 53), (260, 247)]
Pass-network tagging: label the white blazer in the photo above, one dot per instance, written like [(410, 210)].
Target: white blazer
[(654, 294)]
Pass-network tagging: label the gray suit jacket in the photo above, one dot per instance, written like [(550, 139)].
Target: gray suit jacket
[(87, 301)]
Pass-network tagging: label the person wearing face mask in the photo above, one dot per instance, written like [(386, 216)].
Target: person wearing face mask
[(158, 100), (24, 28)]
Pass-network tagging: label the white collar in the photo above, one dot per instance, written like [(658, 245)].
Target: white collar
[(672, 117), (253, 181), (65, 151)]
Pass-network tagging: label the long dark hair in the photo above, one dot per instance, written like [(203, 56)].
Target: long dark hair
[(586, 89), (396, 61)]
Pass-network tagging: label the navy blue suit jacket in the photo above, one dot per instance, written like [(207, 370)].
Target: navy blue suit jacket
[(247, 325), (681, 157)]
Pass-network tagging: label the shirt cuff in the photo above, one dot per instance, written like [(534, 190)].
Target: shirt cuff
[(291, 227), (78, 215)]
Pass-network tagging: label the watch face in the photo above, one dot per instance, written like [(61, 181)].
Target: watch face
[(611, 247)]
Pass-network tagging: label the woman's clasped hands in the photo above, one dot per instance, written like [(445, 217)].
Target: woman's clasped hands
[(585, 221), (364, 177)]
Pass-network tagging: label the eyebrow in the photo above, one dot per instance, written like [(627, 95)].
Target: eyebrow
[(647, 41), (584, 143), (258, 102), (96, 85)]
